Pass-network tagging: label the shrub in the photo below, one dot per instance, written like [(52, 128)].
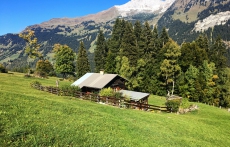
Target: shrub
[(2, 69), (173, 105), (40, 74), (69, 90), (117, 95), (72, 78), (35, 83), (106, 92), (127, 98), (184, 103)]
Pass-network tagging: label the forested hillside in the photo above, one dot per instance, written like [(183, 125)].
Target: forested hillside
[(153, 62)]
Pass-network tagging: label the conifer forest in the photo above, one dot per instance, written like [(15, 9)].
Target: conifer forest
[(153, 62)]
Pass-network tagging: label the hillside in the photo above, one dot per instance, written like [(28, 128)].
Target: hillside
[(184, 20), (34, 118), (187, 19)]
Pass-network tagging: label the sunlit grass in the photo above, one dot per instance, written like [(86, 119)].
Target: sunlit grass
[(29, 117)]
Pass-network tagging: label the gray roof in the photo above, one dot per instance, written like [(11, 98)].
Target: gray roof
[(136, 96), (94, 80)]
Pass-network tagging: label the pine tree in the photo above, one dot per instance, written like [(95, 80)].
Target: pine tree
[(137, 30), (110, 64), (116, 37), (201, 50), (170, 68), (187, 56), (189, 85), (82, 61), (206, 80), (126, 71), (100, 52), (145, 48), (129, 46), (199, 55), (114, 44), (218, 52), (155, 43), (164, 38), (202, 42), (224, 87)]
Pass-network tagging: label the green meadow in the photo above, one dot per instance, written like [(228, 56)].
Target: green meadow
[(29, 117)]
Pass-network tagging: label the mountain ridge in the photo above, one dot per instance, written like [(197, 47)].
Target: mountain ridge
[(179, 20)]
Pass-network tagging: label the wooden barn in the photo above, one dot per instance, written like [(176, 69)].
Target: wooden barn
[(94, 82)]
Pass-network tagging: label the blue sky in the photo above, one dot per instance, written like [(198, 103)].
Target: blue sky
[(16, 15)]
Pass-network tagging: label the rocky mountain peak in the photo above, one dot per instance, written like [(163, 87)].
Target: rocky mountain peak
[(141, 6)]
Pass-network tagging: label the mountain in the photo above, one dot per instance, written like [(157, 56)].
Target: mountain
[(184, 19), (190, 17)]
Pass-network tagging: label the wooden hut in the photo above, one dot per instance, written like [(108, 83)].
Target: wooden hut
[(94, 82)]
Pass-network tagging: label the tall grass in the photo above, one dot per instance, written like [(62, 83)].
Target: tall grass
[(29, 117)]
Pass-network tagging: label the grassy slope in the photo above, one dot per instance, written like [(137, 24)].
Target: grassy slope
[(29, 117)]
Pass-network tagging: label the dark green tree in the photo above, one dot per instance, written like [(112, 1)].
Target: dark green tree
[(115, 40), (207, 83), (64, 60), (218, 54), (202, 42), (114, 43), (110, 64), (82, 61), (187, 57), (201, 50), (199, 55), (164, 37), (128, 46), (137, 30), (188, 88), (155, 43), (100, 52), (145, 48), (224, 87)]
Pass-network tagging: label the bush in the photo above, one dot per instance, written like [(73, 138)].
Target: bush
[(27, 76), (36, 83), (173, 105), (117, 95), (2, 69), (40, 74), (69, 90), (72, 78), (106, 92), (184, 103)]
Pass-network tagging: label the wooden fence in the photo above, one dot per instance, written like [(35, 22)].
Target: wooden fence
[(119, 102)]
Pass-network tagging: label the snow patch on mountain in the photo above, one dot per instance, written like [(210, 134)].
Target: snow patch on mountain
[(209, 22), (139, 6)]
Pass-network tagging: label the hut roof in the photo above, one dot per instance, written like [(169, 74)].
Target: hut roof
[(94, 80), (136, 96)]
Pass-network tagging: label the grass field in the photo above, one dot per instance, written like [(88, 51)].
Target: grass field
[(30, 117)]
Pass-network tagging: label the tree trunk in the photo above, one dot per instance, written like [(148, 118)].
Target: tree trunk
[(173, 87)]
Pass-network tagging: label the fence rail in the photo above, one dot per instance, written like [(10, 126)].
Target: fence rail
[(119, 102)]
